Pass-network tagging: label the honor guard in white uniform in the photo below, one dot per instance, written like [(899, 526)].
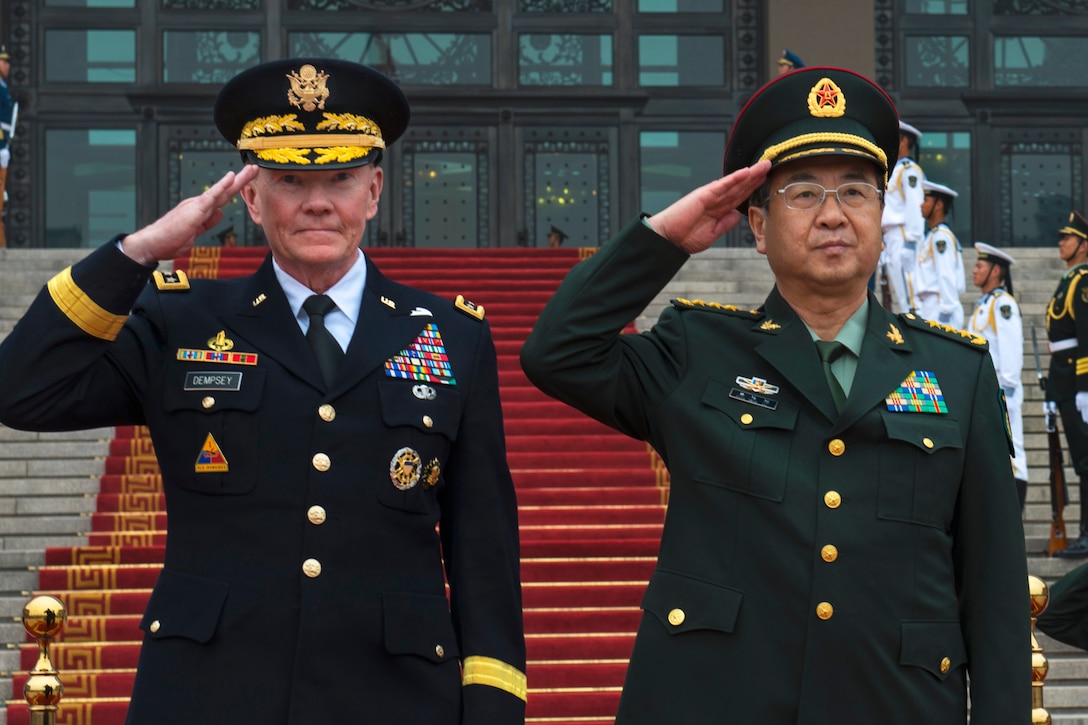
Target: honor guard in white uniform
[(996, 317), (902, 223), (939, 280)]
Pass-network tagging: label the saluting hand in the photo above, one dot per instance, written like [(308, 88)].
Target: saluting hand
[(174, 233), (695, 221)]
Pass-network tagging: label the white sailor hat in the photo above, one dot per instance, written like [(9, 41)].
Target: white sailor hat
[(992, 254), (932, 187), (905, 127)]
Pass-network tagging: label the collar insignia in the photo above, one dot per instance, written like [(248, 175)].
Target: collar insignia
[(757, 385), (894, 335), (770, 325), (389, 303)]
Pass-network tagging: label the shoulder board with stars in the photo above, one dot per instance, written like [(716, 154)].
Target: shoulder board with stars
[(469, 308), (683, 304), (176, 281), (967, 338)]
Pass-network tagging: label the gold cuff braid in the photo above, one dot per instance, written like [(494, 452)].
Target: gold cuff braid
[(82, 310), (479, 670)]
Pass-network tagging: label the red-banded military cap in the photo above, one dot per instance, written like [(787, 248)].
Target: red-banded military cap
[(815, 111), (311, 113), (1077, 225)]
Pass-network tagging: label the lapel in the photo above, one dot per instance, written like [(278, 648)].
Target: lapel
[(270, 326), (884, 363), (380, 333), (789, 348), (386, 325)]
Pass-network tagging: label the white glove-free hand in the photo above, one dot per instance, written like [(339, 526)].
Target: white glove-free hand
[(1082, 406), (1049, 408)]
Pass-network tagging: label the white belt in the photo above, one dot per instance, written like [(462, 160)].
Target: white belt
[(1063, 344)]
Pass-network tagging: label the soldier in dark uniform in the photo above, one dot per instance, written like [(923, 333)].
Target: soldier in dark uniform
[(331, 442), (843, 540), (1067, 382)]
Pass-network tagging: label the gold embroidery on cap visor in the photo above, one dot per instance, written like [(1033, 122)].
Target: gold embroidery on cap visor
[(275, 139)]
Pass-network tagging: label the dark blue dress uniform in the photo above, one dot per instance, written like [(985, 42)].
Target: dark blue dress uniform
[(1067, 335), (313, 528), (301, 584), (816, 566)]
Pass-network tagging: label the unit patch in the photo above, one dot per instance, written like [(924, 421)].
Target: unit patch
[(211, 458)]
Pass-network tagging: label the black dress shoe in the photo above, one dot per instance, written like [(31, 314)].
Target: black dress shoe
[(1077, 550)]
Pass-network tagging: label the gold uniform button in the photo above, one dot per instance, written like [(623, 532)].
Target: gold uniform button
[(746, 419), (927, 442), (322, 462), (836, 447), (676, 617), (824, 610), (428, 421), (316, 515), (945, 665), (832, 499), (439, 650), (311, 568), (207, 402), (155, 626), (829, 553), (326, 412)]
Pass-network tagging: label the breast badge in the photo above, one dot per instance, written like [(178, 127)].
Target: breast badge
[(405, 468), (220, 351), (431, 473), (754, 391), (211, 458)]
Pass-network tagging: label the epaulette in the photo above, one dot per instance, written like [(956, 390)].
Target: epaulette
[(683, 304), (469, 308), (176, 281), (963, 336)]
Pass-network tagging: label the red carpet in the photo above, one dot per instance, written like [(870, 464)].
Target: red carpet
[(591, 505)]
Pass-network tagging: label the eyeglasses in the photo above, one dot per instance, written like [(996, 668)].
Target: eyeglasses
[(806, 196)]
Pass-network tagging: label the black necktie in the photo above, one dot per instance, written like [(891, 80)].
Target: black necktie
[(326, 348), (829, 353)]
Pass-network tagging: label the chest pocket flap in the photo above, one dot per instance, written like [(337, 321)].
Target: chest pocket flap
[(429, 408)]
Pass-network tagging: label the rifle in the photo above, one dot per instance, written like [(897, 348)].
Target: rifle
[(885, 288), (1059, 494)]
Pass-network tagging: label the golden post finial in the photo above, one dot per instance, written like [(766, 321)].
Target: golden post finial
[(43, 618), (1039, 597)]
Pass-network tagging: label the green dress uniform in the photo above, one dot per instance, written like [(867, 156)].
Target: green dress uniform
[(1066, 615), (815, 567)]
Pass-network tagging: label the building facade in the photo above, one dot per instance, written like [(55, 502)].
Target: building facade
[(529, 114)]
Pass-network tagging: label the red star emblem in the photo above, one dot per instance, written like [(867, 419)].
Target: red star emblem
[(827, 95)]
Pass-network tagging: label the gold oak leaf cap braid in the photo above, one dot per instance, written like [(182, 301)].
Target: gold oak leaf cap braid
[(815, 111), (311, 113)]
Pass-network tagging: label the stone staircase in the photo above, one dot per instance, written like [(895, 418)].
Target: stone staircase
[(48, 481)]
